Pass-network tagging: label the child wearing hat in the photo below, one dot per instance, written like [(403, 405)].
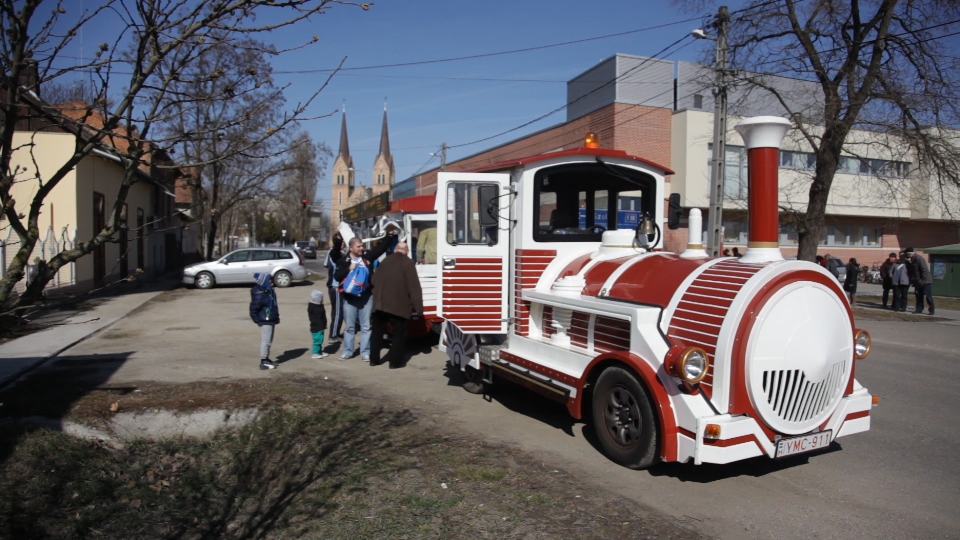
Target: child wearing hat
[(318, 321)]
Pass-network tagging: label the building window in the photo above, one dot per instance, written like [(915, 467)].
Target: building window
[(735, 171), (698, 101), (734, 232), (340, 197)]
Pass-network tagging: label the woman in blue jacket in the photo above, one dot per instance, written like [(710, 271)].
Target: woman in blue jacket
[(264, 311)]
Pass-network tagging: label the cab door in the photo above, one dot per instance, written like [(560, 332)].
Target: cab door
[(473, 233)]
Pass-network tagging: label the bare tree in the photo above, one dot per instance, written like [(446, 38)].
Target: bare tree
[(133, 74), (881, 66), (305, 163)]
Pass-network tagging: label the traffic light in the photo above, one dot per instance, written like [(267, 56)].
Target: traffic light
[(304, 203)]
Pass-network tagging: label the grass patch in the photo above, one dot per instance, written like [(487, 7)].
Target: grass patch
[(480, 473), (321, 462)]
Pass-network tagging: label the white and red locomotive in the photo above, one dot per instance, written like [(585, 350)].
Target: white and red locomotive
[(676, 357)]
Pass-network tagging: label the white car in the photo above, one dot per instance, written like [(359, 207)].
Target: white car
[(284, 264)]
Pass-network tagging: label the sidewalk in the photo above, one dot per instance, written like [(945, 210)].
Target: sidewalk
[(23, 354)]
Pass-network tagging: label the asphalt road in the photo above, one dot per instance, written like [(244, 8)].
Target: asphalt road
[(899, 480)]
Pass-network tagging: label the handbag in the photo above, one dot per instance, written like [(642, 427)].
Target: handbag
[(356, 281)]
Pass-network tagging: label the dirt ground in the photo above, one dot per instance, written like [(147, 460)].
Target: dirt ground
[(323, 461)]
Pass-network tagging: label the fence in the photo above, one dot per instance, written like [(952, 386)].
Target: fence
[(45, 249)]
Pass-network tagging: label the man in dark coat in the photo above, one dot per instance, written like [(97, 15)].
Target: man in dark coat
[(886, 277), (396, 296), (922, 280)]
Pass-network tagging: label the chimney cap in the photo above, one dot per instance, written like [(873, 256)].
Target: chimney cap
[(763, 131)]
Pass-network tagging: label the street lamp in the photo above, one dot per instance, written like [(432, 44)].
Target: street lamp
[(715, 216)]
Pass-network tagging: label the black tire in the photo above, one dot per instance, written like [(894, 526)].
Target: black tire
[(204, 280), (282, 279), (624, 420), (473, 380)]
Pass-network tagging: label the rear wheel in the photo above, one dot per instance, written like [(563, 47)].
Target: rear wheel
[(282, 279), (623, 419), (473, 380), (204, 280)]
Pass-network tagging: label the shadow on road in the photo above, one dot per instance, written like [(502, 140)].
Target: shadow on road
[(520, 400), (756, 467), (291, 354)]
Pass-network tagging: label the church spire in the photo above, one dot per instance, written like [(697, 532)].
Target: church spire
[(344, 145), (384, 134)]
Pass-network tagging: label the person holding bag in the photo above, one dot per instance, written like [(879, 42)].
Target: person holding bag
[(353, 272)]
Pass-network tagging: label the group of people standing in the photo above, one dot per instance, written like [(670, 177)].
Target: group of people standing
[(897, 274), (387, 293), (390, 295), (901, 271)]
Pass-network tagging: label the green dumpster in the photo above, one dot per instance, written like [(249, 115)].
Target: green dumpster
[(945, 267)]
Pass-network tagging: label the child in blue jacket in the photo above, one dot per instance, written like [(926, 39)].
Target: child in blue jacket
[(264, 311)]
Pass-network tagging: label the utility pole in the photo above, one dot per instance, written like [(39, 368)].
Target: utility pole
[(715, 218), (443, 156)]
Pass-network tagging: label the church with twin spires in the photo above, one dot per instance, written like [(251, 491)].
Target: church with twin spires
[(346, 192)]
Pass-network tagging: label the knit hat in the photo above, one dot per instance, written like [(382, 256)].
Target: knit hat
[(909, 250), (263, 280), (316, 297)]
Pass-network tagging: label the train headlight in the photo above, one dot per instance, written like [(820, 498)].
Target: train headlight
[(690, 364), (861, 344)]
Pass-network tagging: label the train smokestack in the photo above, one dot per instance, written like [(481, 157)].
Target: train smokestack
[(762, 136)]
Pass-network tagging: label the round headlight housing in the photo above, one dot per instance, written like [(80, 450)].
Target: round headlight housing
[(690, 364), (861, 344)]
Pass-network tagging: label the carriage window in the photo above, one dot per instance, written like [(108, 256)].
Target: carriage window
[(423, 237), (463, 215), (578, 203)]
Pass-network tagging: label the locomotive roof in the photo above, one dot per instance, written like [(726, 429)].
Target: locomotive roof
[(581, 151)]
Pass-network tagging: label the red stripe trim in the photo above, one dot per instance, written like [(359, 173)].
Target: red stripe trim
[(854, 416), (724, 443)]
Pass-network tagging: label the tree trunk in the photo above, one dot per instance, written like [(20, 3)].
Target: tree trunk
[(808, 230), (17, 267)]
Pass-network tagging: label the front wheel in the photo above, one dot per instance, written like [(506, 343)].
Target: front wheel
[(623, 419), (282, 279), (204, 280)]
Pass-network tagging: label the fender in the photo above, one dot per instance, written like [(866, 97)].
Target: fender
[(650, 379)]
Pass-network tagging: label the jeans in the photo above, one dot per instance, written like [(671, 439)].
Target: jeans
[(317, 341), (355, 308), (266, 339), (398, 339), (921, 292)]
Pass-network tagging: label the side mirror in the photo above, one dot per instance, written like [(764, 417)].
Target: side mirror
[(674, 212), (223, 261), (489, 208)]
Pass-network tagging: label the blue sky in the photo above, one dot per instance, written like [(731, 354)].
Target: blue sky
[(432, 103)]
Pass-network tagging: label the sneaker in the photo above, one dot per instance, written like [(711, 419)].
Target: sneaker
[(336, 339), (365, 358), (267, 364), (345, 356), (319, 355)]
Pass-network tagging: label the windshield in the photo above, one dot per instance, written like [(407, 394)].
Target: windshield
[(303, 244)]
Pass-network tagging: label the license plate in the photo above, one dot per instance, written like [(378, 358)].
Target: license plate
[(805, 443)]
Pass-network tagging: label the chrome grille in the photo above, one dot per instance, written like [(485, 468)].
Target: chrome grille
[(794, 398)]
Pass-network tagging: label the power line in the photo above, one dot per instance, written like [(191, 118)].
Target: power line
[(565, 105), (498, 53)]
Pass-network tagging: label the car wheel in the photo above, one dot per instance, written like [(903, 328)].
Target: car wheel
[(473, 380), (282, 279), (623, 419), (204, 280)]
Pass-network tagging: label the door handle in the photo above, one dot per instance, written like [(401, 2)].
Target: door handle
[(449, 262)]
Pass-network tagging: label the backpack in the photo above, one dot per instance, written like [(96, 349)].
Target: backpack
[(356, 281)]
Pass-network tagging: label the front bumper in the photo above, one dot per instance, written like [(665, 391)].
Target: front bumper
[(188, 279), (742, 438)]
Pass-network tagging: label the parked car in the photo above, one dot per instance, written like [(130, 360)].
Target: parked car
[(284, 264), (306, 250)]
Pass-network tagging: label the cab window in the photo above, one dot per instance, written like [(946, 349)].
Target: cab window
[(577, 203), (463, 215), (423, 239)]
